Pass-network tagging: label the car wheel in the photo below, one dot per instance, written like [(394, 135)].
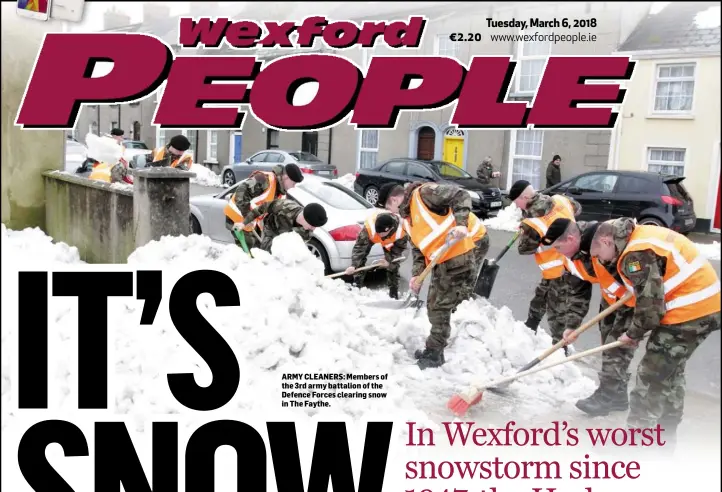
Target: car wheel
[(195, 226), (315, 247), (651, 221), (229, 178), (372, 195)]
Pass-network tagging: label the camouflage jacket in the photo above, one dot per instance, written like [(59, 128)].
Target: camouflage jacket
[(281, 218), (439, 199), (647, 281), (118, 173), (255, 186), (539, 205), (363, 245), (484, 172)]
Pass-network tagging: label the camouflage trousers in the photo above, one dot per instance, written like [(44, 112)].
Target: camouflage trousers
[(658, 396), (565, 301), (392, 276), (481, 248), (614, 375), (451, 284)]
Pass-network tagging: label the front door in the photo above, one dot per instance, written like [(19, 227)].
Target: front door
[(237, 146), (454, 151)]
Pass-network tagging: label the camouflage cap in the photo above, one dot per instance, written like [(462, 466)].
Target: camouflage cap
[(619, 229)]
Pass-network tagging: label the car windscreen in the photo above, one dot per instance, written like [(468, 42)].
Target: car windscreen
[(678, 190), (451, 171), (304, 156), (335, 195)]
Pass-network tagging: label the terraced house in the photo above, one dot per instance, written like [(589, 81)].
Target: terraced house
[(427, 135)]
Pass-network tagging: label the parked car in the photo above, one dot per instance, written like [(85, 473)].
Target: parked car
[(332, 243), (651, 198), (75, 154), (134, 148), (266, 159), (485, 199)]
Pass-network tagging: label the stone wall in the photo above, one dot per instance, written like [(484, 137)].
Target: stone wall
[(108, 222)]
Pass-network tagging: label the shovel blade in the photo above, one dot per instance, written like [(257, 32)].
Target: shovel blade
[(485, 280), (409, 301)]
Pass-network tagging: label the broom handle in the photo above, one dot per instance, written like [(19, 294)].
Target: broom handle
[(363, 268), (579, 355), (561, 343), (506, 248)]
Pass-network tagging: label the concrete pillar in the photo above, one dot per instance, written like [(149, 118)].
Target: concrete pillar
[(26, 154), (161, 203)]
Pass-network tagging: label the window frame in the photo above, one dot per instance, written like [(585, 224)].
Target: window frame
[(653, 112), (439, 38), (521, 57), (209, 146), (513, 155), (648, 158)]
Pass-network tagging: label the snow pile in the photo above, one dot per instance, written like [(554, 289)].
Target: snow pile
[(122, 186), (347, 180), (205, 177), (709, 19), (292, 319), (711, 251), (507, 219)]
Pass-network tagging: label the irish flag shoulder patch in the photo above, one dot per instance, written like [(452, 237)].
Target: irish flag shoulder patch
[(633, 266)]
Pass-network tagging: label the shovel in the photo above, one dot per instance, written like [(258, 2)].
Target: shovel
[(489, 269), (561, 343), (242, 239), (375, 264), (459, 404), (412, 298)]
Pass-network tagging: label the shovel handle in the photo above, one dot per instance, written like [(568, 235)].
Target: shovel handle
[(508, 246), (596, 319), (439, 254), (363, 268)]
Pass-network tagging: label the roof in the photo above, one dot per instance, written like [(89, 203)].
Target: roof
[(677, 27)]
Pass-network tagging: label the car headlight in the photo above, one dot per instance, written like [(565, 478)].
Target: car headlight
[(474, 195)]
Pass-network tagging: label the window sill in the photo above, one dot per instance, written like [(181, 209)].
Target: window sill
[(670, 116), (210, 161)]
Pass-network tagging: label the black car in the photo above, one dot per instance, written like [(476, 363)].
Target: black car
[(484, 199), (658, 199)]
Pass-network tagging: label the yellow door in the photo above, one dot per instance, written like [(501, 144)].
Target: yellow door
[(454, 151)]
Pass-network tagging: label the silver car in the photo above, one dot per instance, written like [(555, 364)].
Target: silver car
[(266, 159), (332, 243)]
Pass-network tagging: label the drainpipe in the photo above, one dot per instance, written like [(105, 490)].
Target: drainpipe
[(330, 142)]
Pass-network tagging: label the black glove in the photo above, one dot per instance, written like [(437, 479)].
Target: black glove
[(532, 324)]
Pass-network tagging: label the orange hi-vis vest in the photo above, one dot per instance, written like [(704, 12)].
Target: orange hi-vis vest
[(477, 230), (550, 261), (388, 242), (101, 172), (233, 213), (691, 286), (159, 154), (428, 231), (611, 290)]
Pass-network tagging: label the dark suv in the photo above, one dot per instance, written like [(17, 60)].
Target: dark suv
[(658, 199), (485, 200)]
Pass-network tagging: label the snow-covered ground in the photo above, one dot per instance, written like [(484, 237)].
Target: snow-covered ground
[(347, 180), (206, 177), (507, 219), (296, 321), (711, 251)]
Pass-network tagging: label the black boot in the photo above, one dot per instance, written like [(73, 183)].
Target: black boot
[(619, 402), (430, 358), (602, 403), (394, 292), (532, 324), (589, 400)]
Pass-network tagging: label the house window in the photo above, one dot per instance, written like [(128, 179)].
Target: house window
[(212, 145), (527, 156), (674, 88), (666, 161), (272, 138), (446, 47), (368, 149), (532, 55)]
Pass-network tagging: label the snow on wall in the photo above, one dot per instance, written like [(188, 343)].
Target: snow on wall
[(291, 319)]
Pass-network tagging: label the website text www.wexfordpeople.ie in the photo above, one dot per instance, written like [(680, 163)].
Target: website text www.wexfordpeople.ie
[(555, 38)]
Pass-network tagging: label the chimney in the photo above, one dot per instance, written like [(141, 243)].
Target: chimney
[(113, 19), (204, 9), (154, 12)]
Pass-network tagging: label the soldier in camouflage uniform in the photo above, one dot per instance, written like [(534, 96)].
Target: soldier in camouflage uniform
[(566, 299), (450, 279), (658, 396), (286, 178), (485, 172), (284, 215), (386, 224), (574, 240)]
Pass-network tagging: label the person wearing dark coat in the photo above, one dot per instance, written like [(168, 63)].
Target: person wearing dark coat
[(554, 171)]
